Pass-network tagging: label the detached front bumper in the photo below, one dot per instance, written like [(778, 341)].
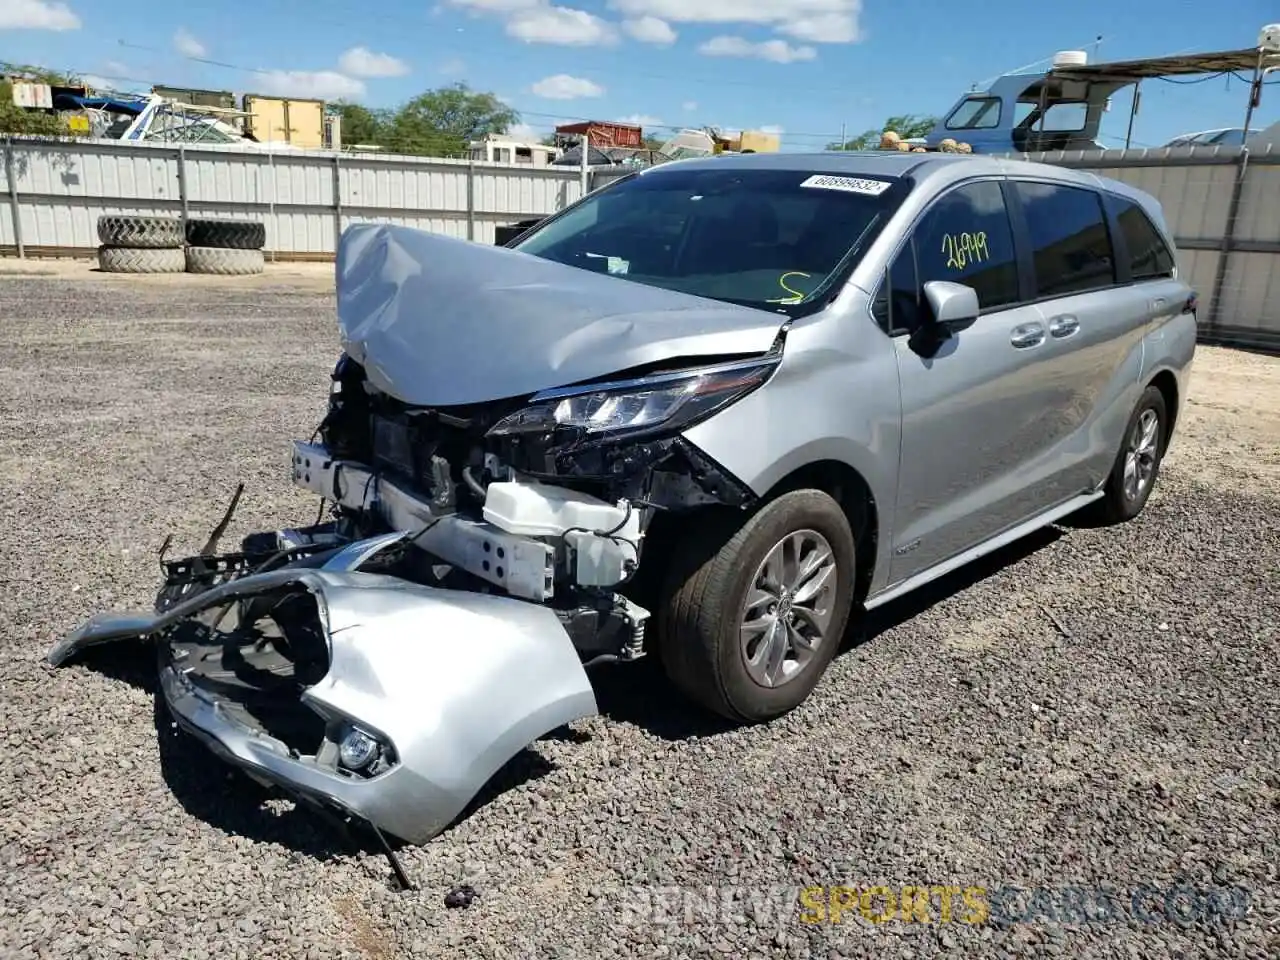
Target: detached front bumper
[(450, 684)]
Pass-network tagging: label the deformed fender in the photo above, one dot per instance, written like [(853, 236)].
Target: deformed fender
[(457, 682)]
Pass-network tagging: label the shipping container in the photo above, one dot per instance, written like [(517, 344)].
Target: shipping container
[(276, 119), (32, 95), (223, 99)]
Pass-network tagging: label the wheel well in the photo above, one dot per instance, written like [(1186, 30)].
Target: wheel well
[(848, 488), (1167, 384)]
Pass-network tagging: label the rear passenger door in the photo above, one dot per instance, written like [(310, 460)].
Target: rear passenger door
[(972, 451), (1095, 322)]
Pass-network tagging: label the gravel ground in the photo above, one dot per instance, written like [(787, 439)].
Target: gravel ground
[(1091, 709)]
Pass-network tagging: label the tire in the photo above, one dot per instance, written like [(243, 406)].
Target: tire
[(227, 234), (141, 260), (224, 261), (151, 233), (1120, 502), (700, 642)]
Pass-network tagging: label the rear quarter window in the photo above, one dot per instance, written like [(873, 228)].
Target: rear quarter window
[(1149, 256), (1070, 243)]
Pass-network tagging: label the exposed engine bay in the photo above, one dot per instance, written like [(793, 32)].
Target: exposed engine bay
[(493, 498)]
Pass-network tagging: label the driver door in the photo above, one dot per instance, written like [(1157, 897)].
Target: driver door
[(972, 392)]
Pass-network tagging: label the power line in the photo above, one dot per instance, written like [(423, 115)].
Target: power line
[(829, 135), (464, 47)]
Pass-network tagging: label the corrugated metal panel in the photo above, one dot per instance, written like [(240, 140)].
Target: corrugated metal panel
[(64, 186), (1259, 217), (388, 186), (1251, 292), (1199, 268)]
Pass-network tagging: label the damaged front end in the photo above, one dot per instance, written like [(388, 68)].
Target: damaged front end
[(476, 557)]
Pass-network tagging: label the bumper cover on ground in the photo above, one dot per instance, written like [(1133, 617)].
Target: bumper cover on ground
[(455, 683)]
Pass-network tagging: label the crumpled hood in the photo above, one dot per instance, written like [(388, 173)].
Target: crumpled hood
[(436, 321)]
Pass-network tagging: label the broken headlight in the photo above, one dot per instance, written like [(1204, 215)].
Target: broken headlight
[(663, 403)]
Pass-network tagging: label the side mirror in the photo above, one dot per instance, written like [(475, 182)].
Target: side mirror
[(951, 302)]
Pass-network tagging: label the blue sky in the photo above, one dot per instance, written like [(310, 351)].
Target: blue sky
[(806, 67)]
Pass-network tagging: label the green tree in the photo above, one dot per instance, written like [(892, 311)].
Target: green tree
[(442, 122), (363, 125), (907, 125)]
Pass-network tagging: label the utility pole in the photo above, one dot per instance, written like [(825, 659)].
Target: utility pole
[(842, 139), (586, 149)]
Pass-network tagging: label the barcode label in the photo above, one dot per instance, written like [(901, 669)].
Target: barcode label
[(824, 181)]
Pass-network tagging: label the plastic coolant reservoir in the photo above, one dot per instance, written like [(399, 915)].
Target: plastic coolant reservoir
[(539, 510)]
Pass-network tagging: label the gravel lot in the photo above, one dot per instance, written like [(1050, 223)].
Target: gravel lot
[(1093, 708)]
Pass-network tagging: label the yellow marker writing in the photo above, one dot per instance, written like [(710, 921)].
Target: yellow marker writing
[(963, 249), (796, 295)]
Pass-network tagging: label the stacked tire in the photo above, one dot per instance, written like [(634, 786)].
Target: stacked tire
[(225, 247), (140, 244)]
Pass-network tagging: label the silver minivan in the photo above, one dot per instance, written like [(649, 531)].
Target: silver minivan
[(711, 412)]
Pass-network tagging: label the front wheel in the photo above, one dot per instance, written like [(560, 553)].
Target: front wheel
[(752, 616)]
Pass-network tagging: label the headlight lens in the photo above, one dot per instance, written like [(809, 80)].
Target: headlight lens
[(666, 402)]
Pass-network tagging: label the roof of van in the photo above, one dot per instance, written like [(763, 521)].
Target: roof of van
[(890, 163)]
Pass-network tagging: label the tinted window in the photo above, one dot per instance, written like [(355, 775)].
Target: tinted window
[(764, 238), (1149, 256), (964, 237), (1069, 239), (975, 113)]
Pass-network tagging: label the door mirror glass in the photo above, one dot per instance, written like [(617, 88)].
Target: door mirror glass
[(951, 302)]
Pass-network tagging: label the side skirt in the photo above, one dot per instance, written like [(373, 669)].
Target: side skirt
[(981, 550)]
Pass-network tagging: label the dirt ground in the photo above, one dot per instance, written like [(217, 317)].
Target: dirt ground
[(1089, 710), (1230, 431)]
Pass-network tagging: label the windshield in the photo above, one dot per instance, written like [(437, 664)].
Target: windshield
[(774, 239)]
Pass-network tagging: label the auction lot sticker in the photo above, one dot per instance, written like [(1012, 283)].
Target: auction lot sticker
[(826, 181)]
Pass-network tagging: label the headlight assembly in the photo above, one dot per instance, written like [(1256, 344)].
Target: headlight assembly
[(664, 403)]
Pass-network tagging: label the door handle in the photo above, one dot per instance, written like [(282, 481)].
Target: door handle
[(1063, 326), (1027, 335), (1158, 305)]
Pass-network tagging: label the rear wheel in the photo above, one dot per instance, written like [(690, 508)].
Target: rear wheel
[(753, 614), (1133, 476)]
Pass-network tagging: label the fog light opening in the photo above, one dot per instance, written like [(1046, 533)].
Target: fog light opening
[(357, 749)]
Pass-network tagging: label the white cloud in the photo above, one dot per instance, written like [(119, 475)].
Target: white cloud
[(453, 67), (689, 106), (642, 120), (538, 21), (37, 15), (779, 51), (563, 26), (824, 28), (497, 6), (650, 30), (524, 132), (564, 87), (187, 45), (363, 62), (309, 84), (817, 21)]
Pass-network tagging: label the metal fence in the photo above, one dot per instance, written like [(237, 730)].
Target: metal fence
[(1222, 204), (57, 189)]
